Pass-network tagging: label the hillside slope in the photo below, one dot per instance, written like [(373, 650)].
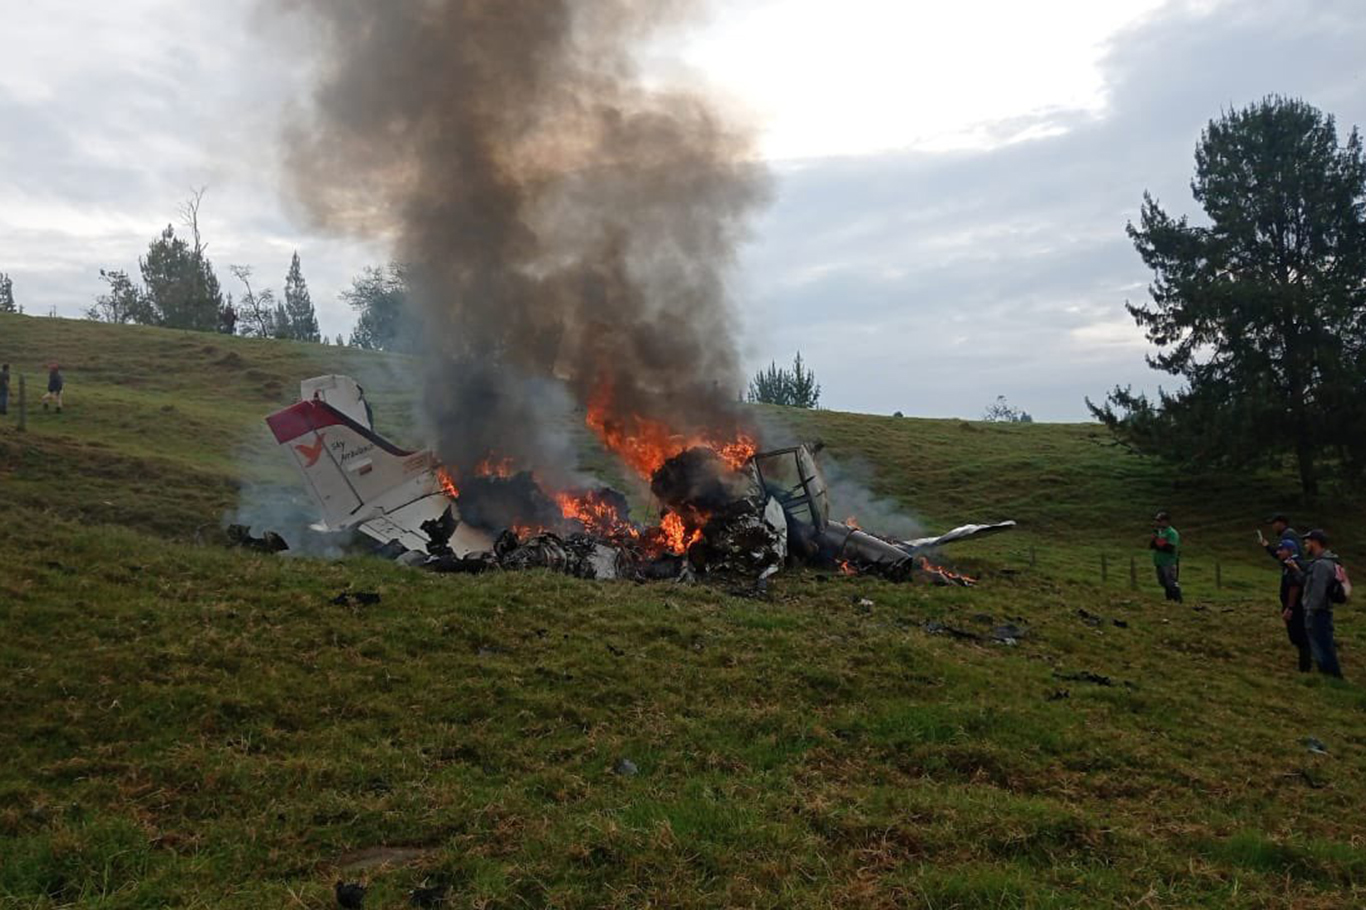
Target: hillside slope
[(193, 726)]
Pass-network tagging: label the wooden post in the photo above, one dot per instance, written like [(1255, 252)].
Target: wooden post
[(1133, 573), (23, 404), (1104, 568)]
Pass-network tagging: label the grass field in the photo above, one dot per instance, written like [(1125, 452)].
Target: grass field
[(191, 726)]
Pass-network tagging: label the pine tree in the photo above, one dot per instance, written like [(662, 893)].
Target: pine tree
[(794, 388), (181, 285), (1262, 313), (303, 319), (284, 327)]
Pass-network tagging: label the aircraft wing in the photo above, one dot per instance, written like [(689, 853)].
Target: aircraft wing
[(964, 533)]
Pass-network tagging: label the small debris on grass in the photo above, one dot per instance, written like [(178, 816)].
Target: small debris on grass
[(357, 598), (615, 651), (270, 542), (1088, 677), (1090, 619), (350, 895), (1315, 745), (938, 628), (1310, 781), (1008, 633), (428, 895), (625, 768), (1059, 695)]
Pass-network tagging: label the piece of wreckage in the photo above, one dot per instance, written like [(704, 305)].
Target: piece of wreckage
[(720, 519)]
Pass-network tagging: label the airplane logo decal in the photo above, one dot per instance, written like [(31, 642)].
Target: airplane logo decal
[(311, 453)]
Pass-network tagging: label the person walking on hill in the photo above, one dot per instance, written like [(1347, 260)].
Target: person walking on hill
[(4, 389), (55, 383), (1320, 579), (1166, 547)]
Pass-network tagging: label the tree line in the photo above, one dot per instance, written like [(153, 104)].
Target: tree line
[(181, 290)]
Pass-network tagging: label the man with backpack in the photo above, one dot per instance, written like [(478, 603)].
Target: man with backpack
[(1324, 582)]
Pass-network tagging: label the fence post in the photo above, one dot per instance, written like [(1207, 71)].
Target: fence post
[(1104, 568), (1133, 573), (23, 404)]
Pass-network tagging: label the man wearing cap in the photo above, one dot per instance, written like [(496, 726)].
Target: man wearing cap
[(1319, 578), (1166, 547), (1281, 531), (1287, 550)]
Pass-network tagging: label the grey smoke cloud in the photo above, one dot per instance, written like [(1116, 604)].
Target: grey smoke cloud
[(563, 221)]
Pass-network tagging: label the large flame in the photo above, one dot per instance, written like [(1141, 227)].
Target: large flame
[(598, 515), (645, 444)]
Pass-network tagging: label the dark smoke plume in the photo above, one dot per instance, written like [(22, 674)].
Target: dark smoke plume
[(564, 223)]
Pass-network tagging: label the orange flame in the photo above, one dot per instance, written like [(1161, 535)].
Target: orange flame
[(645, 444), (847, 568), (448, 484), (945, 576), (596, 513), (676, 534)]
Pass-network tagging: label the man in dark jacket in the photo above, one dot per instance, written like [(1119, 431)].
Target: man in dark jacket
[(1319, 580), (1287, 550), (4, 388), (55, 384)]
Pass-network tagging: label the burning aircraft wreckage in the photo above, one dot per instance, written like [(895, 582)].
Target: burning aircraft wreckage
[(726, 508)]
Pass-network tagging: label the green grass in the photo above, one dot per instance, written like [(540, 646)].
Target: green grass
[(191, 726)]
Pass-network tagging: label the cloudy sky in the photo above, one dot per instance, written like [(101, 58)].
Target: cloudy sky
[(952, 180)]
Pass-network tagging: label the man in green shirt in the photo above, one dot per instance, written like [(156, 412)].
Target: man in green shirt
[(1166, 547)]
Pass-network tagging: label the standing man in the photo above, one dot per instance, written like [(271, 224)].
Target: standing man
[(1281, 531), (1166, 547), (1320, 581), (4, 389), (1287, 550), (54, 387)]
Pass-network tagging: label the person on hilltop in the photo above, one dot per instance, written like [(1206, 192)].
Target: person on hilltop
[(1325, 583), (1166, 547), (1287, 549), (55, 383), (4, 389)]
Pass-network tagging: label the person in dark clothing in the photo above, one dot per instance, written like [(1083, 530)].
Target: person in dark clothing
[(1292, 604), (1166, 547), (4, 388), (55, 383), (1281, 530), (1287, 550), (1318, 579)]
